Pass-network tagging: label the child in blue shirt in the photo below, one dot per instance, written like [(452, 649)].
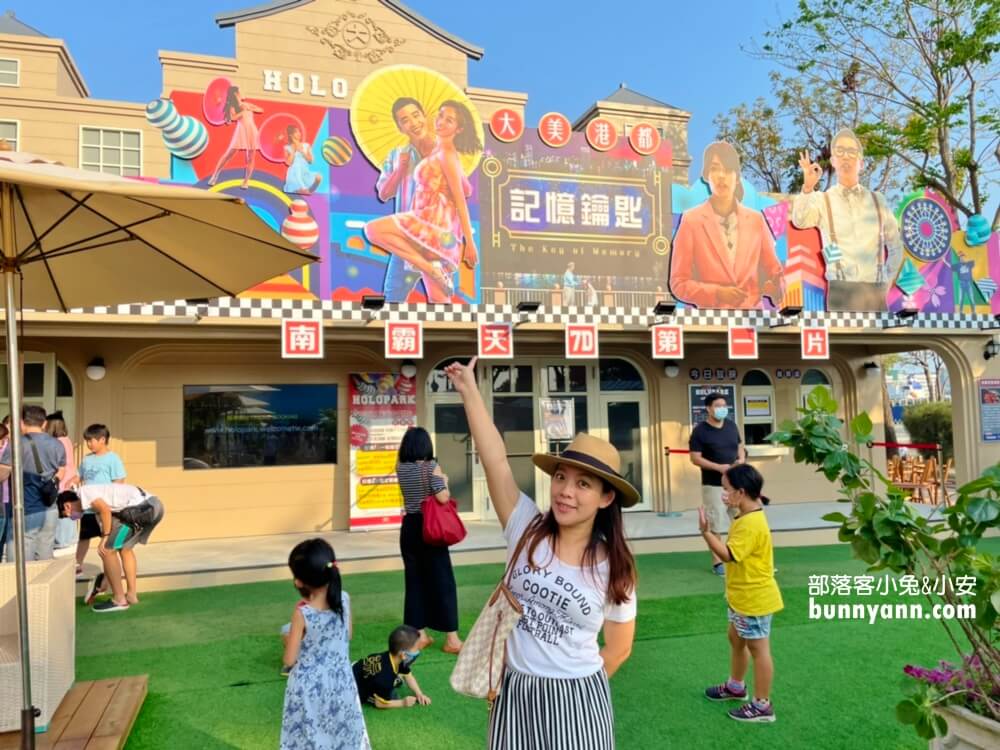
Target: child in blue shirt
[(101, 466)]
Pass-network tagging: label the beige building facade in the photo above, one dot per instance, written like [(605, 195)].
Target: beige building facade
[(309, 52)]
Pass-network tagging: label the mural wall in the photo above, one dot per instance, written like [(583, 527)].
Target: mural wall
[(408, 194)]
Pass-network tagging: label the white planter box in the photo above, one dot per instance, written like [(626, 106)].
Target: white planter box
[(967, 731)]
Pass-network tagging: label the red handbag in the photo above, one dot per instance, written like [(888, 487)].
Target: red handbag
[(442, 526)]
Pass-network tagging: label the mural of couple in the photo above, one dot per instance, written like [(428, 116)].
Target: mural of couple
[(440, 211)]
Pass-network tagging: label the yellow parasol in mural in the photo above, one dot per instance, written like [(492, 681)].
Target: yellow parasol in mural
[(371, 110)]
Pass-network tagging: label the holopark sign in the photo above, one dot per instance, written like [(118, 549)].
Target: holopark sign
[(278, 82)]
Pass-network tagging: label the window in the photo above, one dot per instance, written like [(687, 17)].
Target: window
[(566, 378), (758, 407), (259, 425), (516, 379), (113, 151), (815, 377), (437, 381), (619, 375), (10, 73), (9, 132), (64, 386)]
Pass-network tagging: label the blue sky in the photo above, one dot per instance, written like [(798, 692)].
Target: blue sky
[(565, 54)]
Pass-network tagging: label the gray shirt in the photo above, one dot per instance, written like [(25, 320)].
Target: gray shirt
[(52, 456)]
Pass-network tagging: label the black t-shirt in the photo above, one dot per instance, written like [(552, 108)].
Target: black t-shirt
[(720, 445), (376, 678)]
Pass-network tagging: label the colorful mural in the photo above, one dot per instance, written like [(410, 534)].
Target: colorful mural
[(406, 194)]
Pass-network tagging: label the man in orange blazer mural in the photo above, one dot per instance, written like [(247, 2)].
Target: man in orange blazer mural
[(723, 254)]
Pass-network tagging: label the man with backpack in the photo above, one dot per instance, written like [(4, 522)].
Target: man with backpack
[(127, 516), (43, 458)]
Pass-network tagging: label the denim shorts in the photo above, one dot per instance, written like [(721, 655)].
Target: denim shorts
[(751, 627)]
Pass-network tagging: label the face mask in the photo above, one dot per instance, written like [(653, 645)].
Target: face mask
[(720, 412), (409, 657), (75, 516)]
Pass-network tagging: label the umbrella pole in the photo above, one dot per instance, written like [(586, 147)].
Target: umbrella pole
[(9, 262)]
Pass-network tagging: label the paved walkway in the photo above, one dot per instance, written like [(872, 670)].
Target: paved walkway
[(171, 565)]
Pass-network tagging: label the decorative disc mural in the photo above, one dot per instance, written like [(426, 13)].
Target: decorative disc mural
[(926, 226)]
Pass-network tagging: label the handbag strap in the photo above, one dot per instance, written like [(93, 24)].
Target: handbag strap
[(34, 453)]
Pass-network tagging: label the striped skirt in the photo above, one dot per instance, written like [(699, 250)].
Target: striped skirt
[(542, 713)]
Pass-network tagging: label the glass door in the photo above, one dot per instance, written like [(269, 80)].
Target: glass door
[(623, 428), (513, 397), (454, 452)]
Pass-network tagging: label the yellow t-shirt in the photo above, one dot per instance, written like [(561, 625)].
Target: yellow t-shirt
[(750, 585)]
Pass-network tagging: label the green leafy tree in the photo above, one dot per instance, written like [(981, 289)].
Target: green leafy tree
[(930, 422), (927, 73)]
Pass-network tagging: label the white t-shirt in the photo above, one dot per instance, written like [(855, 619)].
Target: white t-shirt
[(564, 608), (117, 496)]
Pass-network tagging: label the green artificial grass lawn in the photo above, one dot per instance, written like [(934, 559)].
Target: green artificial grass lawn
[(213, 655)]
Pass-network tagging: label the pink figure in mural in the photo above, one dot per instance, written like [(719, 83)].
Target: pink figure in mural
[(298, 157), (723, 255), (246, 138), (435, 235)]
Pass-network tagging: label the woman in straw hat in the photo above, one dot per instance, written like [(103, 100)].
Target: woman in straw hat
[(575, 576)]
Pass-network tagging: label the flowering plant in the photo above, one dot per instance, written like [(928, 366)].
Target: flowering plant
[(885, 532)]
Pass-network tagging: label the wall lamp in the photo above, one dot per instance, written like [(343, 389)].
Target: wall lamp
[(902, 318), (671, 369), (96, 369), (871, 369), (408, 369), (662, 309), (991, 350), (524, 308), (787, 313), (372, 303)]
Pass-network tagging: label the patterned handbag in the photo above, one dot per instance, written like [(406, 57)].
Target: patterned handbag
[(479, 670)]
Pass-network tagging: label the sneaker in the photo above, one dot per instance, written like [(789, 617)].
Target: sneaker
[(94, 589), (110, 606), (719, 569), (723, 693), (752, 712)]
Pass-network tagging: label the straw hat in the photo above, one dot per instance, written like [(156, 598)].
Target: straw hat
[(596, 456)]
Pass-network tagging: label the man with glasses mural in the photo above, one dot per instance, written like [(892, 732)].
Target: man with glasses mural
[(861, 242)]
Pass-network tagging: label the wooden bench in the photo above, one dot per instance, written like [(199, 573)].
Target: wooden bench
[(93, 716)]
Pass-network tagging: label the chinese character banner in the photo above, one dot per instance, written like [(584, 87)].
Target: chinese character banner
[(583, 226)]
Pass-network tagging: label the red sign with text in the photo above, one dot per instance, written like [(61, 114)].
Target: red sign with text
[(742, 342), (644, 138), (815, 342), (581, 341), (301, 339), (404, 340), (496, 341), (668, 341), (507, 125), (601, 134), (554, 129)]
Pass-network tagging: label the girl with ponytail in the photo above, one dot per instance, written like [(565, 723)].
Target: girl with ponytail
[(322, 709)]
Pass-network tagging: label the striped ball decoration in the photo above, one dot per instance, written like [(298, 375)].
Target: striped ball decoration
[(185, 137), (299, 227), (337, 151)]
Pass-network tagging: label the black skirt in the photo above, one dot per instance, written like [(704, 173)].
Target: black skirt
[(431, 597)]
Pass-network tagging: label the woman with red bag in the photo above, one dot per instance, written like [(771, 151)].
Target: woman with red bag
[(431, 596)]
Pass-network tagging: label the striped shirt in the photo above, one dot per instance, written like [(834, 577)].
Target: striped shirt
[(417, 481)]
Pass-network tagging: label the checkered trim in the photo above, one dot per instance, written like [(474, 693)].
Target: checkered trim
[(629, 318)]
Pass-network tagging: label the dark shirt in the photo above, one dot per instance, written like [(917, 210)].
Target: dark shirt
[(720, 445), (376, 678), (51, 456)]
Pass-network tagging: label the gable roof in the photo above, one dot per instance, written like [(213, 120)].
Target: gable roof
[(10, 24), (225, 20), (624, 95)]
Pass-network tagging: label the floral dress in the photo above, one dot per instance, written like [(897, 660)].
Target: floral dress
[(322, 709), (433, 221)]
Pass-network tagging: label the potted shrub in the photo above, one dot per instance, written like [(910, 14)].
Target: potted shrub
[(963, 695)]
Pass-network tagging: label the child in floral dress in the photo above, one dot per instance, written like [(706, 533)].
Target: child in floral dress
[(322, 708)]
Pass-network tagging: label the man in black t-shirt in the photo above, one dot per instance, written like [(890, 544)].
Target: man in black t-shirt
[(716, 445), (378, 675)]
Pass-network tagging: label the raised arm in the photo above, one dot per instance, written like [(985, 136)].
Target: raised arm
[(492, 452)]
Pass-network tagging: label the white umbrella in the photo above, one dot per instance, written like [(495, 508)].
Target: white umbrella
[(72, 238)]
